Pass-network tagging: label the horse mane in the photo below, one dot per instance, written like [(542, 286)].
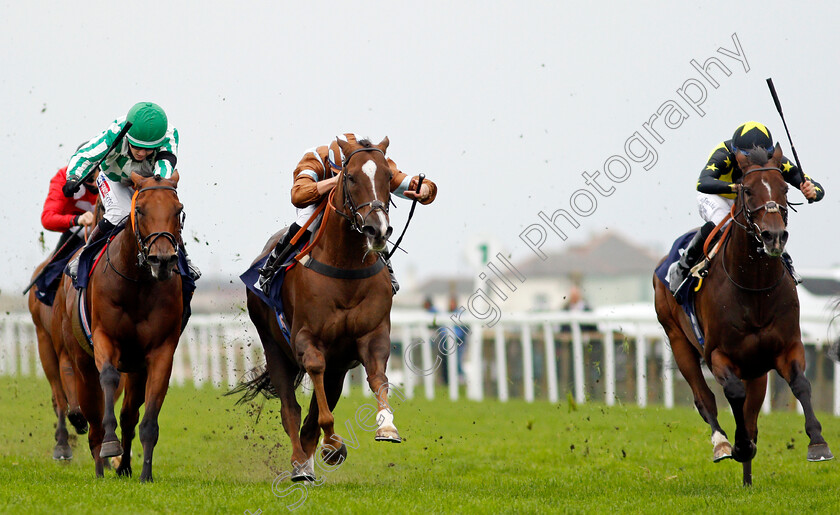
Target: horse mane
[(365, 143), (759, 156)]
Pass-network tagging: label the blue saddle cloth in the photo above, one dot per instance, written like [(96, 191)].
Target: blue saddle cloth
[(87, 260), (685, 295), (47, 284), (274, 299)]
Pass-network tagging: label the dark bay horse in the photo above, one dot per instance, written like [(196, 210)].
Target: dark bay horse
[(136, 309), (749, 314), (57, 367), (335, 323)]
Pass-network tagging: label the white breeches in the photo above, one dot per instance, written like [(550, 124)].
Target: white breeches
[(713, 208), (116, 198), (303, 214)]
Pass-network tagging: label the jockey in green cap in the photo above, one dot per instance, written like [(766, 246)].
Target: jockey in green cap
[(148, 147), (717, 186)]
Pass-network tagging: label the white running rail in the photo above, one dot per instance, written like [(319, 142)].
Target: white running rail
[(218, 349)]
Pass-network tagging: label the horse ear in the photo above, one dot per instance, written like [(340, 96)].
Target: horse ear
[(174, 178), (345, 147), (777, 155), (136, 179), (383, 145), (742, 160)]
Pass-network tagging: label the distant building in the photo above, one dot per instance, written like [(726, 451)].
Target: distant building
[(609, 269)]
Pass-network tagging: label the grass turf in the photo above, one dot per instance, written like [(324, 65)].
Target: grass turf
[(489, 457)]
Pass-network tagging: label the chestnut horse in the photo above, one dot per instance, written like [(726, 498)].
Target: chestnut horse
[(57, 367), (335, 323), (748, 310), (136, 305)]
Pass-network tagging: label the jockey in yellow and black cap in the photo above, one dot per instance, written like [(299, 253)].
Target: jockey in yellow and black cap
[(716, 188)]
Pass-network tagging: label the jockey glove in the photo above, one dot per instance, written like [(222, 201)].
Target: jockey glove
[(70, 188)]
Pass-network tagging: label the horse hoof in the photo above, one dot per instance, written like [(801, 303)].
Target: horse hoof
[(115, 462), (743, 454), (388, 435), (110, 449), (78, 421), (819, 452), (723, 451), (62, 452), (305, 472), (332, 456)]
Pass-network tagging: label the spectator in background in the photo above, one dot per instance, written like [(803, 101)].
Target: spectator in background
[(576, 302), (461, 332)]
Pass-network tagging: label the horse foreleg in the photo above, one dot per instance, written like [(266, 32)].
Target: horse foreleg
[(756, 390), (134, 395), (106, 355), (283, 372), (91, 403), (50, 364), (374, 353), (792, 368), (736, 393), (68, 381), (334, 452), (158, 370), (315, 365), (688, 361)]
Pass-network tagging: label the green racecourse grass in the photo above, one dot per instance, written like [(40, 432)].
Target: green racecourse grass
[(459, 457)]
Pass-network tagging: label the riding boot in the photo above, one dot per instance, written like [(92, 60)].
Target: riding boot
[(101, 230), (395, 286), (278, 256), (193, 270), (690, 257), (788, 262)]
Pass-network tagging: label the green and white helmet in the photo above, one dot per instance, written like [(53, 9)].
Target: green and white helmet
[(148, 125)]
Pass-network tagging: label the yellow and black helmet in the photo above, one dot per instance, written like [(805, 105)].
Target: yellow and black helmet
[(750, 135)]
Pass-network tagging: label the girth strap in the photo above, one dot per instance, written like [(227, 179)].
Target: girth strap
[(340, 273)]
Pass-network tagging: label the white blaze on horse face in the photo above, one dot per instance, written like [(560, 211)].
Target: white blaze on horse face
[(767, 185), (370, 170)]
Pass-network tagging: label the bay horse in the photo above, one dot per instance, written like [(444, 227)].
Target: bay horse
[(748, 310), (336, 320), (136, 309), (57, 367)]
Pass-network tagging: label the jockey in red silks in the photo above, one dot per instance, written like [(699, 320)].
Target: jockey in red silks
[(69, 216)]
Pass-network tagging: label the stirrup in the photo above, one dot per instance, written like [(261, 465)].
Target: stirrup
[(73, 268)]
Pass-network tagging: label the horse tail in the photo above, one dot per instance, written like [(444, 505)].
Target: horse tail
[(257, 381)]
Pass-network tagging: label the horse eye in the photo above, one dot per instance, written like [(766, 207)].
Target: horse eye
[(350, 178)]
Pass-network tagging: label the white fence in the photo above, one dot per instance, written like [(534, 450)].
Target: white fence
[(513, 355)]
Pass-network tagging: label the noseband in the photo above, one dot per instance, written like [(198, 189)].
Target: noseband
[(144, 244), (770, 206), (349, 205)]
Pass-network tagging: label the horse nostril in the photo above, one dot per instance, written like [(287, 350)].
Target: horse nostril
[(767, 236), (369, 231), (784, 237), (389, 232)]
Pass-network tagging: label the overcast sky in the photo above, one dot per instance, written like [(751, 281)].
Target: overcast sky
[(503, 104)]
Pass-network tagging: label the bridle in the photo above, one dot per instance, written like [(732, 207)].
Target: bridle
[(751, 227), (144, 243), (354, 217)]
